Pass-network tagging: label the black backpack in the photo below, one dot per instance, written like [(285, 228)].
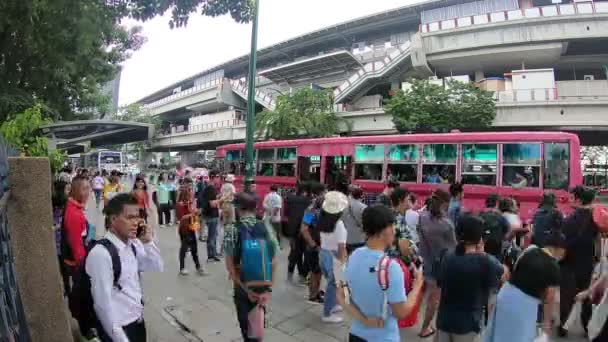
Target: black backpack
[(494, 233), (81, 300)]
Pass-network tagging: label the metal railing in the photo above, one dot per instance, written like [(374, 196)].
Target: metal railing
[(242, 89), (13, 326), (527, 13), (373, 69), (565, 91), (190, 91), (206, 127)]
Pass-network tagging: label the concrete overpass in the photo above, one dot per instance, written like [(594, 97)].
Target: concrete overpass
[(484, 44)]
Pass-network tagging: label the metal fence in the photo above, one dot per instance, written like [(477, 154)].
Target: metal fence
[(13, 326)]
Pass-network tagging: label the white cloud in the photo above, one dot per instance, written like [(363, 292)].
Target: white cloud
[(171, 55)]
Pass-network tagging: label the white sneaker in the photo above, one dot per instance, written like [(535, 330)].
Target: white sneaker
[(201, 272), (332, 319), (336, 309), (184, 272)]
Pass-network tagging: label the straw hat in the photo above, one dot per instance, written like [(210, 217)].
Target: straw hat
[(335, 202), (229, 178)]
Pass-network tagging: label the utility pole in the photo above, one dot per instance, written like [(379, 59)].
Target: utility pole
[(249, 162)]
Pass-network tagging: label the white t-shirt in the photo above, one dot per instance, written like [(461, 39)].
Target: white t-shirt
[(330, 241), (273, 201), (98, 183), (412, 218)]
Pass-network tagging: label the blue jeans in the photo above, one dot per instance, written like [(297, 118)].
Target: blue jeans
[(326, 261), (212, 237)]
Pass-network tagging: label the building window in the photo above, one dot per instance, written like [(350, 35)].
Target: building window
[(521, 165), (403, 163), (439, 163), (368, 162), (479, 164), (557, 165)]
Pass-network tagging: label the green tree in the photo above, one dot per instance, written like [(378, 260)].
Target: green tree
[(430, 107), (23, 133), (58, 53), (306, 112)]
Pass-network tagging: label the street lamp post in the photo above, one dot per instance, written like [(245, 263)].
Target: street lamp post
[(249, 164)]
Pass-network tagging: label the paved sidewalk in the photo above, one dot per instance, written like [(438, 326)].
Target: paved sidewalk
[(194, 308)]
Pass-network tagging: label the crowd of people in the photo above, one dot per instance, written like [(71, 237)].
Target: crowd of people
[(467, 276)]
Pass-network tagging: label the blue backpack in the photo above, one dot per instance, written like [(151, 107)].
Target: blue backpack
[(254, 248)]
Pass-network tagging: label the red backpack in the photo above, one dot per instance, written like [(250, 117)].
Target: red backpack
[(383, 280), (600, 217)]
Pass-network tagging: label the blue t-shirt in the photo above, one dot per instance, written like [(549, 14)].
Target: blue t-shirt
[(311, 217), (367, 295)]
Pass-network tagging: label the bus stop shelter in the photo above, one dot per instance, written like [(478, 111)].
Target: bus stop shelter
[(78, 136)]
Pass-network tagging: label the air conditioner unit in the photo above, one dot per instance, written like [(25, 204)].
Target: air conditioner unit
[(589, 77), (433, 78)]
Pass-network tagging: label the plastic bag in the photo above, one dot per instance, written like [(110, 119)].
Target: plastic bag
[(255, 327), (598, 318), (542, 338), (574, 324)]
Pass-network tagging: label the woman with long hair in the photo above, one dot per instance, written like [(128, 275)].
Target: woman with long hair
[(333, 248), (140, 191), (437, 237), (188, 224)]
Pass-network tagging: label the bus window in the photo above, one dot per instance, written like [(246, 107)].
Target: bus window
[(233, 162), (265, 162), (368, 162), (439, 163), (338, 172), (286, 162), (521, 165), (403, 163), (479, 164), (557, 170), (309, 169)]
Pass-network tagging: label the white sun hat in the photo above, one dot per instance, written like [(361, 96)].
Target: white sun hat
[(335, 202)]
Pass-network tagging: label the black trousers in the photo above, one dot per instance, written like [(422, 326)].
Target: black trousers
[(573, 281), (296, 256), (603, 336), (164, 210), (354, 338), (136, 332), (243, 306), (188, 241)]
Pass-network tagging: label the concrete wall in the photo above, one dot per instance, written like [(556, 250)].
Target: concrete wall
[(35, 254), (553, 114), (546, 29)]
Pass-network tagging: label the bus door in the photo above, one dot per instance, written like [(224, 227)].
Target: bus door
[(338, 172), (309, 168)]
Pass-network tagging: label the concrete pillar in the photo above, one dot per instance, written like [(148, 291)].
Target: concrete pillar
[(35, 254), (479, 75), (395, 85)]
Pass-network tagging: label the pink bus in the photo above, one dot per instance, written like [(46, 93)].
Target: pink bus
[(518, 164)]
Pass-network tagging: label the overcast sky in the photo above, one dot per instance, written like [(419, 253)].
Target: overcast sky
[(172, 55)]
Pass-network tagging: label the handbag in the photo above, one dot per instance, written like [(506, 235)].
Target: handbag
[(598, 318)]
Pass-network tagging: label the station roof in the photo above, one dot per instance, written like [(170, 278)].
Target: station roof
[(338, 61), (71, 135), (402, 16)]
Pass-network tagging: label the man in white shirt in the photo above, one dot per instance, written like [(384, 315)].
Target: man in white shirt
[(119, 305), (273, 203)]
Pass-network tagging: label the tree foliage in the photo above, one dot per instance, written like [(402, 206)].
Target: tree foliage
[(430, 107), (58, 53), (306, 112), (23, 133)]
